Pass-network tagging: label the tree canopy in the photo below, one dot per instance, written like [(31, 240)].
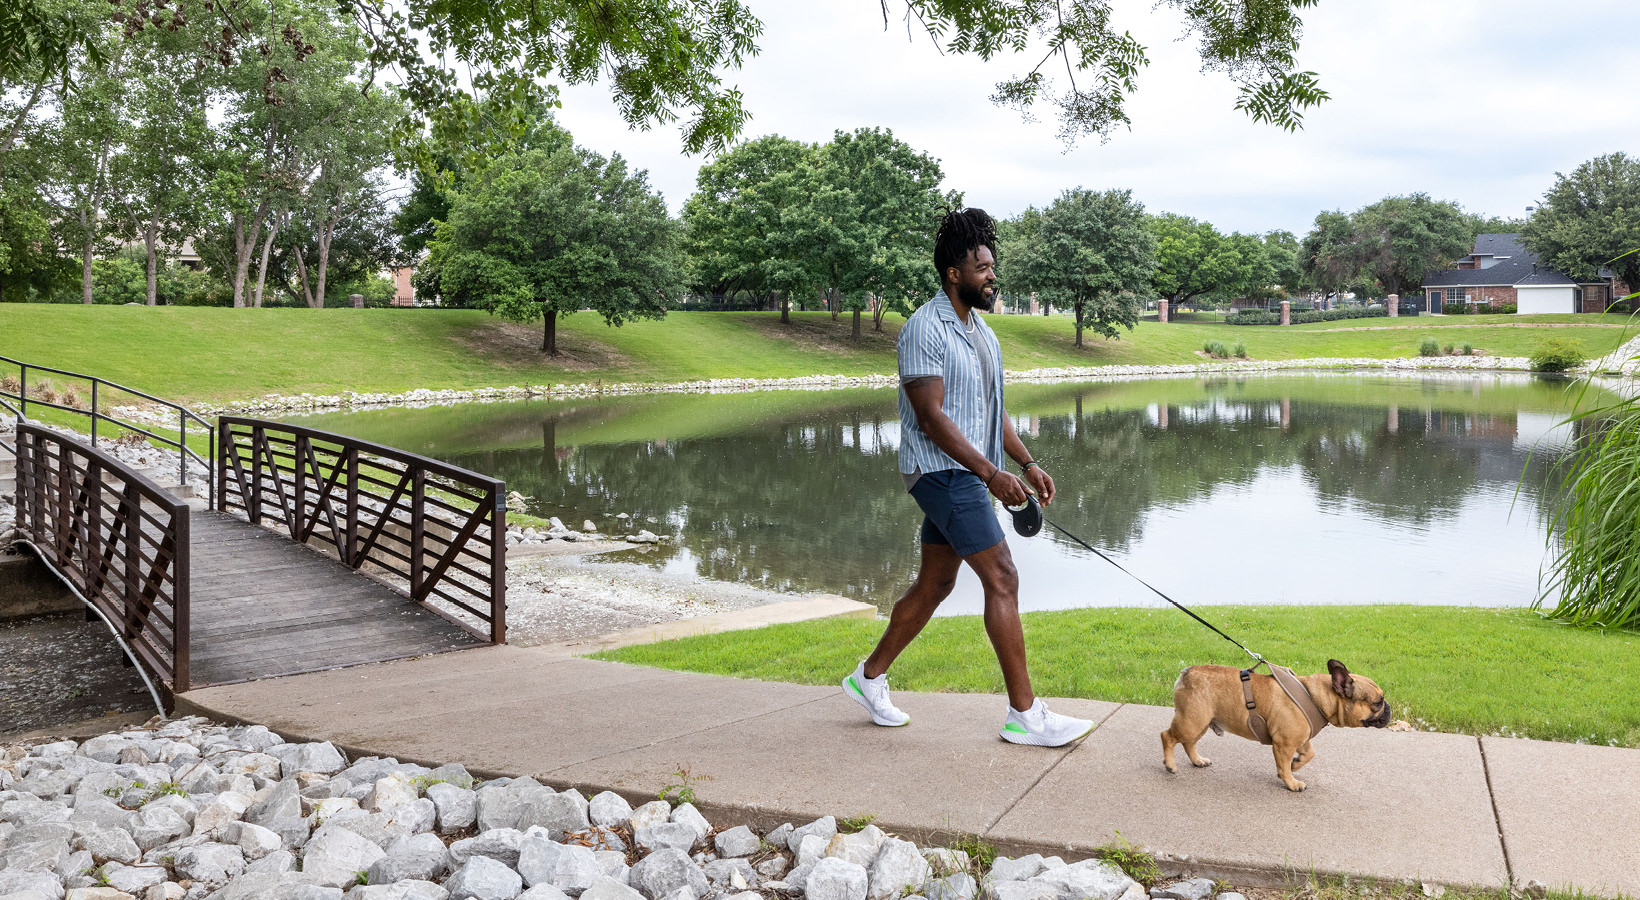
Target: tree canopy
[(1389, 245), (543, 233), (1194, 260), (1092, 254), (1590, 219)]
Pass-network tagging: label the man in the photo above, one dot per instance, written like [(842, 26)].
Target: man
[(954, 431)]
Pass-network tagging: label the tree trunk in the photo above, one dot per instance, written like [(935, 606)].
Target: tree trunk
[(785, 308), (22, 114), (243, 245), (262, 266), (549, 332), (856, 334), (150, 238), (832, 304), (85, 270), (301, 268), (326, 232), (1079, 326)]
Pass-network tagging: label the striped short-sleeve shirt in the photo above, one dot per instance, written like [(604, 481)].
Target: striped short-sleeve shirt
[(934, 342)]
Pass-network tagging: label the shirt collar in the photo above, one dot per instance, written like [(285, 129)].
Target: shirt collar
[(943, 307)]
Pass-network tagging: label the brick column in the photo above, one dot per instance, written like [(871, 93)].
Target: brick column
[(1286, 312), (357, 300), (1161, 312), (1393, 304)]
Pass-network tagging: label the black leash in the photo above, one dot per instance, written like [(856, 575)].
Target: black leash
[(1022, 528)]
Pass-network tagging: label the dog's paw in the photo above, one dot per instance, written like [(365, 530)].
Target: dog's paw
[(1201, 763), (1295, 785), (1171, 770)]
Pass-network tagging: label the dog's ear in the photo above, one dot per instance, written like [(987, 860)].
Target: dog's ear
[(1343, 685)]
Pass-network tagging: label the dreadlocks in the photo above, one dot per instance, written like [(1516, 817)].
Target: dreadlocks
[(962, 231)]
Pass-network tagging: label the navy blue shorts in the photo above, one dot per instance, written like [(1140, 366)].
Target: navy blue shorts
[(957, 511)]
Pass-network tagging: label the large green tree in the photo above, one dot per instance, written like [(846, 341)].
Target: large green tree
[(1399, 239), (1094, 255), (1285, 255), (751, 219), (1590, 219), (1327, 253), (546, 233), (666, 60), (1193, 259)]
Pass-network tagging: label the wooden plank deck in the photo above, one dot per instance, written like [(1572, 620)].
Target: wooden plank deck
[(263, 605)]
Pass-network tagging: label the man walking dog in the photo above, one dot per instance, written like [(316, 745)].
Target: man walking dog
[(953, 433)]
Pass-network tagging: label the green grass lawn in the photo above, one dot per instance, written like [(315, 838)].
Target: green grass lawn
[(210, 354), (1454, 669)]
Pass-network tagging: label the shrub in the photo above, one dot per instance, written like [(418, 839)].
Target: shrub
[(1430, 347), (1468, 349), (1241, 350), (1455, 309), (1264, 317), (1447, 349), (1557, 355), (1216, 349), (1253, 317), (1508, 309)]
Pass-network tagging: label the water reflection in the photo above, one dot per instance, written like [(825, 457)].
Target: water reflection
[(1295, 489)]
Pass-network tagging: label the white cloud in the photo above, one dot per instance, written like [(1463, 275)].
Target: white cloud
[(1477, 102)]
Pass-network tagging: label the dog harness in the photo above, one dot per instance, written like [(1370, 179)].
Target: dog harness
[(1295, 691)]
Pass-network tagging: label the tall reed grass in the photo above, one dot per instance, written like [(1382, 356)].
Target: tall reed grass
[(1596, 563)]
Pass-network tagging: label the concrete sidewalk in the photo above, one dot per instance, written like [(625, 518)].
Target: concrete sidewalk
[(1438, 808)]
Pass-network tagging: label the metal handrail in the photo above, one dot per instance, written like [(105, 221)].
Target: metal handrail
[(184, 415)]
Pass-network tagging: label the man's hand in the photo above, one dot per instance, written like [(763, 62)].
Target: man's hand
[(1041, 483), (1007, 487)]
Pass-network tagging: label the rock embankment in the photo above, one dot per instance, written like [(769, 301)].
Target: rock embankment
[(188, 810)]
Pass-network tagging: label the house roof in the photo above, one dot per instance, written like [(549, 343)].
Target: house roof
[(1516, 265)]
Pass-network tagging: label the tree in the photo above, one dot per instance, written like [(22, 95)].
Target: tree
[(1093, 254), (1399, 239), (1590, 219), (547, 233), (1193, 259), (749, 217), (1285, 256), (665, 58), (89, 129), (893, 194), (1327, 254)]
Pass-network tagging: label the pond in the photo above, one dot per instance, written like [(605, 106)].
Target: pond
[(1317, 488)]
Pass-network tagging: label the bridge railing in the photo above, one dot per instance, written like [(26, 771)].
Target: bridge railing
[(119, 539), (99, 389), (439, 531)]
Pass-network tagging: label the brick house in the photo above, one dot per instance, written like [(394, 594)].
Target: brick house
[(1500, 271)]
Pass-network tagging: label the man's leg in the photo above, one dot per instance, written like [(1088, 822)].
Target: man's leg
[(995, 568), (935, 578)]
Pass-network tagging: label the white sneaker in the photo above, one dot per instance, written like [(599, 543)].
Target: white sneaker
[(1039, 727), (872, 693)]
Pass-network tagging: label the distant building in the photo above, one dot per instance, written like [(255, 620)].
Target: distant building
[(1501, 271), (404, 293)]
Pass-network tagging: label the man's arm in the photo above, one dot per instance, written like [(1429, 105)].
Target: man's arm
[(926, 396), (1014, 447)]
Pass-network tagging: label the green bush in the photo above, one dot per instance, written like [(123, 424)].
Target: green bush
[(1468, 349), (1508, 309), (1448, 349), (1241, 350), (1455, 309), (1429, 347), (1557, 355), (1216, 349), (1265, 317)]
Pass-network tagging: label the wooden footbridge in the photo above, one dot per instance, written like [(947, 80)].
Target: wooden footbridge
[(314, 551)]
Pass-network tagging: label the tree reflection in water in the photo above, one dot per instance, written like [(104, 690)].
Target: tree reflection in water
[(802, 493)]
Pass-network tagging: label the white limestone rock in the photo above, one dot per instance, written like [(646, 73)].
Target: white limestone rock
[(483, 878), (837, 879), (335, 856), (777, 837), (501, 844), (664, 871), (1090, 879), (898, 866), (1006, 869), (158, 825), (411, 889), (1020, 890), (225, 808), (737, 841), (607, 888), (321, 757), (608, 810), (109, 844), (667, 836), (132, 879), (571, 869), (455, 807), (1193, 889), (960, 886), (558, 813), (392, 792), (687, 814), (825, 828), (655, 812)]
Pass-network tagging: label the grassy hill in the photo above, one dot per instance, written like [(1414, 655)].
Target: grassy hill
[(210, 354)]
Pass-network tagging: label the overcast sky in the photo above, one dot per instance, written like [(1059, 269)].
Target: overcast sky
[(1476, 102)]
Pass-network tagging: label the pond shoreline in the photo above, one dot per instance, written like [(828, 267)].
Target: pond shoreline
[(1618, 362)]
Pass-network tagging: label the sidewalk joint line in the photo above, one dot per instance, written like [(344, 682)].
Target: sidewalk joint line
[(1049, 771), (1497, 820)]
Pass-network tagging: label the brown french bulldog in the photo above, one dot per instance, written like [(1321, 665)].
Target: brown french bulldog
[(1211, 697)]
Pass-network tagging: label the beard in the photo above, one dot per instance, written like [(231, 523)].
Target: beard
[(975, 298)]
